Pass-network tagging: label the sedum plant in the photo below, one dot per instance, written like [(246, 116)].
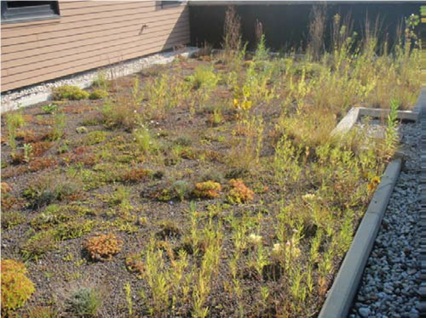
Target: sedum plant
[(208, 189), (98, 94), (103, 247), (239, 192), (16, 287), (69, 92)]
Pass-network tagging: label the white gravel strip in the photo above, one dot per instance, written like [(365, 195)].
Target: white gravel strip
[(42, 92), (390, 282)]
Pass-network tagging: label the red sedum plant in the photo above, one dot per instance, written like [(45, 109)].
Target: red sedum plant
[(103, 247), (239, 192)]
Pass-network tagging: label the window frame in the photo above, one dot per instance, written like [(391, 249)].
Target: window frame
[(164, 4), (43, 11)]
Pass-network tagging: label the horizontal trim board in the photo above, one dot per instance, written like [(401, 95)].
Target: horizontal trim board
[(81, 52), (69, 29), (83, 66), (161, 43)]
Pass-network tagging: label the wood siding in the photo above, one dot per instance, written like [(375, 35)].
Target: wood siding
[(88, 35)]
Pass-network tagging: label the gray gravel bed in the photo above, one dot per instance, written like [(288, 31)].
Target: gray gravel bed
[(390, 283), (42, 92)]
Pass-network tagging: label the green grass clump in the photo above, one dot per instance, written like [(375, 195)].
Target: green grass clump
[(204, 77), (50, 108), (38, 245), (94, 137), (16, 287), (46, 190), (43, 312), (51, 216), (69, 92), (73, 229), (13, 122), (101, 81), (85, 302), (11, 219)]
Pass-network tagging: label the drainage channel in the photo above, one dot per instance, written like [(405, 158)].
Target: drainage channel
[(383, 273)]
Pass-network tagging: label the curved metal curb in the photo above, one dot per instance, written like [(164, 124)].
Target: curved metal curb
[(346, 284)]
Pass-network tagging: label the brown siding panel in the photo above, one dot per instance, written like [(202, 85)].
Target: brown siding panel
[(70, 68), (88, 35), (76, 33)]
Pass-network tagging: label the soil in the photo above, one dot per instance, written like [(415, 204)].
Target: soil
[(97, 179)]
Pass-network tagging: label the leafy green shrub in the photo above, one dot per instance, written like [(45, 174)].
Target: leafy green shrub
[(94, 137), (204, 77), (38, 245), (145, 141), (69, 92), (119, 113), (181, 188), (121, 196), (262, 53), (208, 189), (13, 122), (103, 247), (58, 128), (85, 302), (98, 94), (16, 287), (15, 119), (50, 108), (101, 81), (46, 190), (239, 192), (73, 229), (51, 216)]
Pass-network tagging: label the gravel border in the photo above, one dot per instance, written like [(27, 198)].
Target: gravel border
[(12, 100), (391, 279), (389, 228), (340, 297)]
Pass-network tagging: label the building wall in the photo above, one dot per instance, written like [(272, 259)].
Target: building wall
[(285, 23), (88, 35)]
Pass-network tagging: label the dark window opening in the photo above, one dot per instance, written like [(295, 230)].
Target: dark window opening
[(20, 11), (169, 2)]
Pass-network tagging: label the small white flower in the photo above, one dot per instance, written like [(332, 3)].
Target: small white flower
[(254, 239), (277, 247), (308, 197)]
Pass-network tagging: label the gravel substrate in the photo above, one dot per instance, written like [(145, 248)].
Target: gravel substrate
[(391, 280), (42, 92)]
